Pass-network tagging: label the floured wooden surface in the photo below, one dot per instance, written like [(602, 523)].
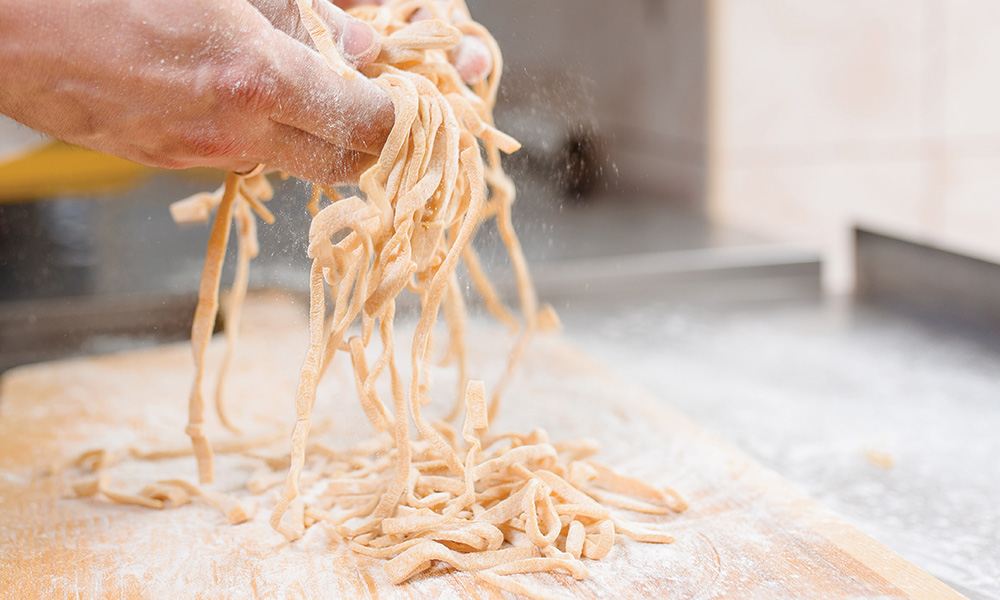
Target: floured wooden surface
[(747, 534)]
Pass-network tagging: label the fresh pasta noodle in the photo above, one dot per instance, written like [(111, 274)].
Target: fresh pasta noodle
[(495, 505)]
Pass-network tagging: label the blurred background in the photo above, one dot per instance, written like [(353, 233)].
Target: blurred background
[(780, 216)]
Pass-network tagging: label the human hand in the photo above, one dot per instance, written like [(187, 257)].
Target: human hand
[(184, 83), (471, 56)]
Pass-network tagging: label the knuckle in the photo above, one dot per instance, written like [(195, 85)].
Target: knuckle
[(192, 145), (284, 16), (207, 142), (246, 86)]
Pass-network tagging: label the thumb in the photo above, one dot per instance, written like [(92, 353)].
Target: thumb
[(357, 40)]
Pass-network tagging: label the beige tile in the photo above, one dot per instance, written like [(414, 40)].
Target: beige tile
[(970, 220), (803, 202), (795, 72), (972, 70), (821, 204)]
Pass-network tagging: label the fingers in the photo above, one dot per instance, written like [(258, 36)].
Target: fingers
[(471, 56), (313, 159), (472, 59), (357, 41), (360, 45), (280, 148), (300, 154), (354, 114), (345, 4)]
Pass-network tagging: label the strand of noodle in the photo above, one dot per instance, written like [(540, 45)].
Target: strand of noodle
[(530, 511), (516, 354), (204, 320), (430, 34), (196, 208), (476, 422), (565, 490), (491, 299), (473, 169), (577, 450), (314, 197), (404, 100), (479, 127), (679, 504), (623, 484), (95, 460), (592, 511), (514, 457), (384, 553), (304, 399), (234, 511), (456, 317), (177, 492), (541, 565), (168, 494), (641, 534), (370, 402), (626, 503), (256, 204), (401, 56), (510, 506), (259, 187), (345, 310), (392, 495), (419, 557), (321, 36), (124, 498), (605, 540), (246, 235), (575, 536), (388, 350), (550, 517), (454, 537), (515, 587)]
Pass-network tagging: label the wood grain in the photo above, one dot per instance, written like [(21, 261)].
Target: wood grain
[(748, 533)]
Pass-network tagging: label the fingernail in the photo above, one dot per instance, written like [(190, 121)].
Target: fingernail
[(359, 41)]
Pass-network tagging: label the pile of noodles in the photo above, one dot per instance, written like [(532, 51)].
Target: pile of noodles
[(491, 504)]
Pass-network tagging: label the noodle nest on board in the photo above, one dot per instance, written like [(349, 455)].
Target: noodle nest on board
[(493, 505)]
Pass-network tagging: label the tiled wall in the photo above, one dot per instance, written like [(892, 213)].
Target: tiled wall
[(833, 113)]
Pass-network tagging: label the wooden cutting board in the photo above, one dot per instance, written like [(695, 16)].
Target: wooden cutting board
[(748, 533)]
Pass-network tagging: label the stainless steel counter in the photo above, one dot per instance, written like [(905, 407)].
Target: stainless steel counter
[(890, 421)]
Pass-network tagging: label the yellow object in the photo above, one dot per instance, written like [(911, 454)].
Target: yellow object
[(58, 168)]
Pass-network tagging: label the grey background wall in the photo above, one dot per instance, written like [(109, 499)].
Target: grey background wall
[(636, 66)]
